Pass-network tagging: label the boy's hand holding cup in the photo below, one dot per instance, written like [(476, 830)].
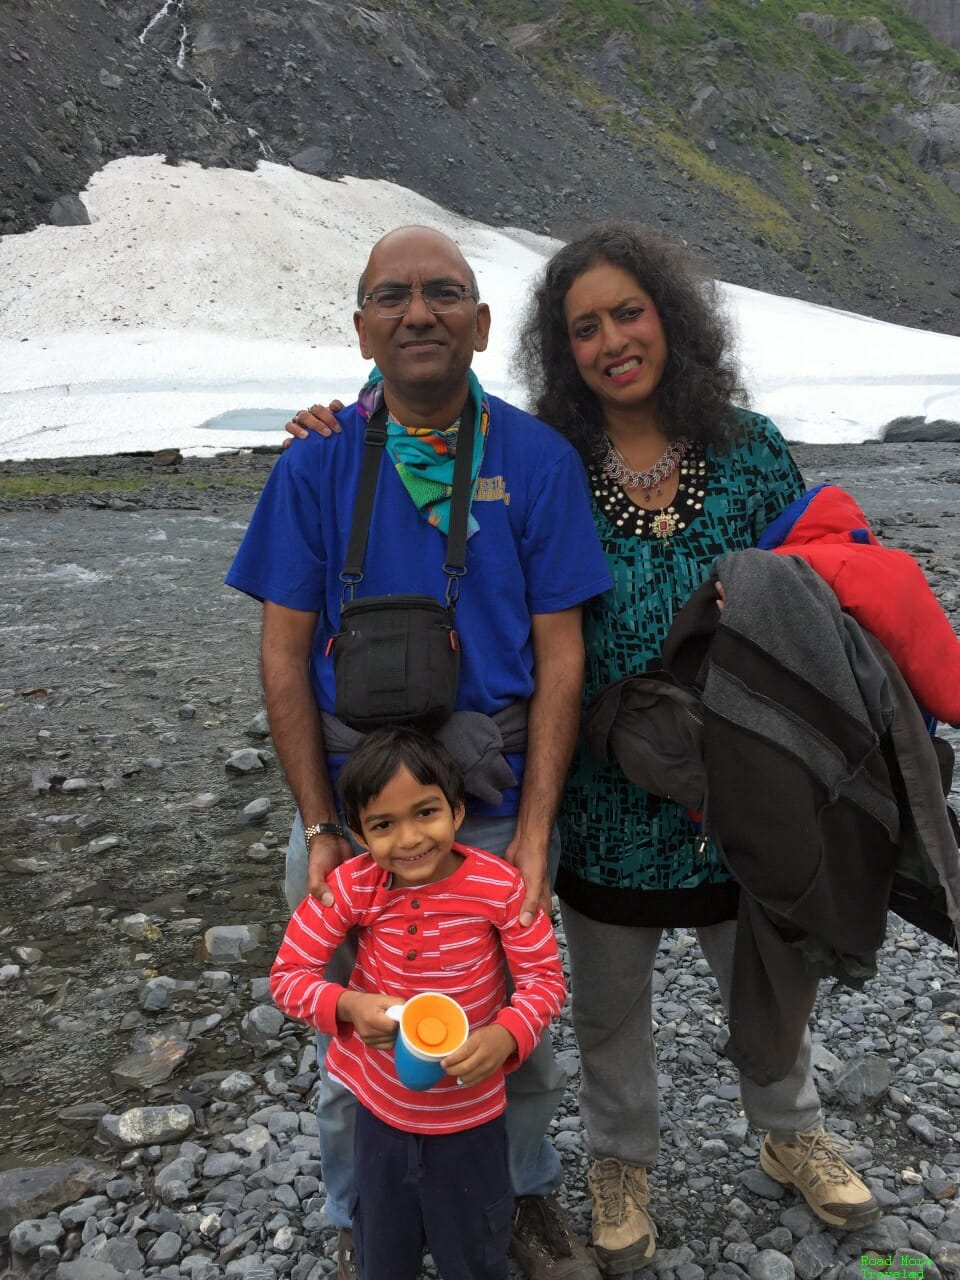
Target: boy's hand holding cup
[(485, 1052), (367, 1013)]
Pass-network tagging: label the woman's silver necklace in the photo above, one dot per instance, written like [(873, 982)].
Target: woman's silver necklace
[(614, 466)]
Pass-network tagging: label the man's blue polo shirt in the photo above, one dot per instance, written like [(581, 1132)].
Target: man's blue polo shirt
[(536, 550)]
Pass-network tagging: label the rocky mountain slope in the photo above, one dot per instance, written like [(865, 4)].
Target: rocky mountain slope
[(809, 147), (941, 16)]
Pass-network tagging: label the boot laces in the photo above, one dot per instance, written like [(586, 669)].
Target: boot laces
[(821, 1152), (537, 1218), (614, 1181)]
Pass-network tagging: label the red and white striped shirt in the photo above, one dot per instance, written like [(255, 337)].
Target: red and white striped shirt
[(449, 936)]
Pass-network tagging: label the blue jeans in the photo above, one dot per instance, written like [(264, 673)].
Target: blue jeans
[(534, 1091)]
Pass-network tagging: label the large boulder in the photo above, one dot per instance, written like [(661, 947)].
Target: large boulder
[(315, 159), (867, 37), (31, 1193), (69, 211), (526, 37), (929, 83), (932, 137), (910, 430)]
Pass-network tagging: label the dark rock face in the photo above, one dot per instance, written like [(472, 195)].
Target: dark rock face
[(867, 37), (941, 16), (313, 159), (77, 89), (937, 431), (772, 176)]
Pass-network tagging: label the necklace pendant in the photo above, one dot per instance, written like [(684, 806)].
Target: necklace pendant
[(664, 524)]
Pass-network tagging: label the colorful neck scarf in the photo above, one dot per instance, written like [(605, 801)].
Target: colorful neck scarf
[(424, 456)]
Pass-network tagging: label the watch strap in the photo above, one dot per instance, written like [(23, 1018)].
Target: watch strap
[(323, 829)]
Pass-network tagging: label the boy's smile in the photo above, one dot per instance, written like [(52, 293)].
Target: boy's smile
[(409, 829)]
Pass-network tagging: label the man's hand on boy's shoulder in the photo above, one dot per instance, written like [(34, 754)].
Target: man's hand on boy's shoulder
[(325, 854), (366, 1012), (485, 1051)]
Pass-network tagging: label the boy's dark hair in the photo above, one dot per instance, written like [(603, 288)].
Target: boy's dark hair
[(371, 766)]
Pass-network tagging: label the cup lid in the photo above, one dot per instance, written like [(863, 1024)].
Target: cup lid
[(431, 1031)]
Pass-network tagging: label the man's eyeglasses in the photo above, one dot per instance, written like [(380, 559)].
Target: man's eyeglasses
[(392, 301)]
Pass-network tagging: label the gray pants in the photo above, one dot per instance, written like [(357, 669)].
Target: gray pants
[(611, 968)]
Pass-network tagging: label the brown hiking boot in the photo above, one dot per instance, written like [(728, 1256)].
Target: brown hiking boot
[(346, 1256), (812, 1164), (543, 1242), (624, 1237)]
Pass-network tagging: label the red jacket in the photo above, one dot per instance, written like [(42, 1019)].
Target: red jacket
[(882, 588)]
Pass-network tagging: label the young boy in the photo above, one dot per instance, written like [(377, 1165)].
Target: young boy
[(431, 915)]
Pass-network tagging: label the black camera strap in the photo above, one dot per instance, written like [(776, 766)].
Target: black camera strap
[(374, 440)]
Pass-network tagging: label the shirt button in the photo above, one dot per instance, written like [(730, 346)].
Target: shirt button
[(411, 928), (415, 903), (411, 955)]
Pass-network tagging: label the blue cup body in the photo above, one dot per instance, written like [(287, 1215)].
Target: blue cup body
[(414, 1072)]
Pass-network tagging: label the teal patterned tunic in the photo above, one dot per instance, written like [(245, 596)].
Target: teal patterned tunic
[(629, 857)]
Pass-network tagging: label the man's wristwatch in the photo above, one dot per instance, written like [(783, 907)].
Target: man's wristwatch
[(323, 829)]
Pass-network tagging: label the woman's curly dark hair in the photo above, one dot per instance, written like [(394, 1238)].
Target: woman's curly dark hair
[(700, 383)]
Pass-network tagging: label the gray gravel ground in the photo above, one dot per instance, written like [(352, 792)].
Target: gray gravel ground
[(140, 850)]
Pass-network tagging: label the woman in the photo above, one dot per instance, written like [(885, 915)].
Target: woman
[(625, 354)]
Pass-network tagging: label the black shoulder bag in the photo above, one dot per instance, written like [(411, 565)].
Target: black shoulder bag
[(396, 659)]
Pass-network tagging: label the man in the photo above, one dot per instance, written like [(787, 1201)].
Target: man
[(533, 557)]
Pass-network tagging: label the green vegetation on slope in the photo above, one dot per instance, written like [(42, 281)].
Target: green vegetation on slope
[(779, 86)]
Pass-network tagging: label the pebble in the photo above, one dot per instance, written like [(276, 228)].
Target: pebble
[(232, 941), (800, 1221), (256, 811), (27, 866), (863, 1080), (761, 1184), (925, 1130), (246, 760), (217, 979), (83, 1114), (259, 726), (103, 843), (261, 1024), (139, 926), (166, 1248), (156, 1056), (155, 994), (813, 1255), (141, 1126), (31, 1236), (770, 1264)]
